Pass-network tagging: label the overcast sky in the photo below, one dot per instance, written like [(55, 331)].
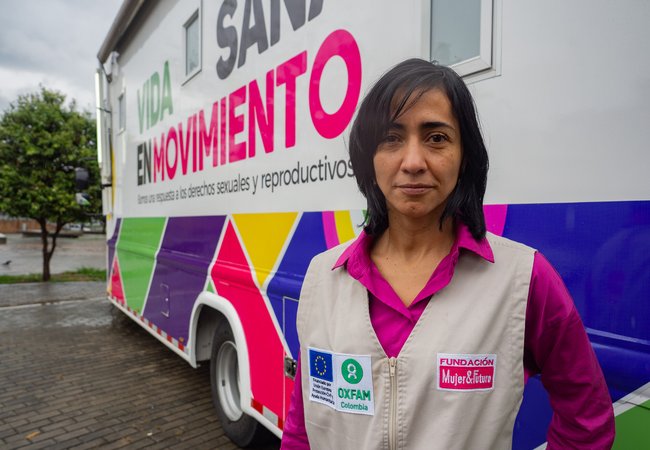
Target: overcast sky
[(54, 43)]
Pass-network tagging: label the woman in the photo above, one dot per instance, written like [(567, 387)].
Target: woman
[(423, 331)]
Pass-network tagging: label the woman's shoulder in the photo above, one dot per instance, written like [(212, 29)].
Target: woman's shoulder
[(504, 244), (323, 264), (331, 256)]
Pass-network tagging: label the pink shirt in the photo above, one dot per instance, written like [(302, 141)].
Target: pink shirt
[(555, 344)]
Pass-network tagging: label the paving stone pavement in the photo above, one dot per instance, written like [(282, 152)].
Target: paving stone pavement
[(79, 374), (33, 293)]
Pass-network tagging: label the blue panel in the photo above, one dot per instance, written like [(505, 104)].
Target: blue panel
[(602, 252), (276, 304), (625, 368), (307, 241), (533, 418), (290, 332)]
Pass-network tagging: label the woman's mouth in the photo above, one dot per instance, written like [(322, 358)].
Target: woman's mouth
[(414, 188)]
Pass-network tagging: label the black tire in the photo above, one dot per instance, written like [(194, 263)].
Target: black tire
[(241, 428)]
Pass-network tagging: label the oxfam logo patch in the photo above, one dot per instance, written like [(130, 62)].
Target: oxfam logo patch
[(352, 371)]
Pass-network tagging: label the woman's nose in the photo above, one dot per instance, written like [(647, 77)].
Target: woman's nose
[(413, 160)]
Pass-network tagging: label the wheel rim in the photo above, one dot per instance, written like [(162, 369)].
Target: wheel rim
[(228, 381)]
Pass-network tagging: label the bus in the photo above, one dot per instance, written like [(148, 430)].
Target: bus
[(222, 136)]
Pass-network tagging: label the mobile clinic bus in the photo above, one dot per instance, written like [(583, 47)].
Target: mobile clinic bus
[(222, 131)]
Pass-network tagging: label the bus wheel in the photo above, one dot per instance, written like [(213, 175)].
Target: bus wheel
[(241, 428)]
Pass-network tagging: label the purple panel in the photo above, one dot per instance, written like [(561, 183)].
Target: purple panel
[(111, 243), (181, 270)]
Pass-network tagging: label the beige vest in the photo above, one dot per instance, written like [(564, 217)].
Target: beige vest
[(457, 382)]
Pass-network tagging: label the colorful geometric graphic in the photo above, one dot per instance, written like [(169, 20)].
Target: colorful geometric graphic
[(159, 267), (632, 419), (263, 236), (111, 243), (234, 281), (115, 287), (495, 218), (283, 290), (180, 273), (136, 248), (336, 231)]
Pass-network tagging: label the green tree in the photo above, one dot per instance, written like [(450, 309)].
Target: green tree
[(41, 142)]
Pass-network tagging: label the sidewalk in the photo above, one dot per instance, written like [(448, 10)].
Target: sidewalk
[(31, 293), (22, 255), (82, 375)]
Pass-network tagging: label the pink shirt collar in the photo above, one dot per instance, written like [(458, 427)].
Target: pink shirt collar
[(359, 266), (357, 256)]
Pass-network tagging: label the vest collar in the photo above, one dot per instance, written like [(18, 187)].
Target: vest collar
[(356, 257)]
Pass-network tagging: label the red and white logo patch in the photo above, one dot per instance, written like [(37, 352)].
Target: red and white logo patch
[(465, 372)]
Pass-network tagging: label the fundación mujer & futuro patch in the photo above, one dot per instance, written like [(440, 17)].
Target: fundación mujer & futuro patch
[(341, 381), (466, 372)]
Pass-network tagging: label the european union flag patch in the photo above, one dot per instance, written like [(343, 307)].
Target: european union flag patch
[(320, 365)]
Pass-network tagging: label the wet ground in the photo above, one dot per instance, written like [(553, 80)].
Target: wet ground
[(42, 293), (25, 254), (77, 373)]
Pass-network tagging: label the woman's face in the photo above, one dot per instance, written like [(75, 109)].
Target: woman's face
[(418, 163)]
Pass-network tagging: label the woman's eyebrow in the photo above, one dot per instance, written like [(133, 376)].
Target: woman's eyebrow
[(423, 126), (434, 125)]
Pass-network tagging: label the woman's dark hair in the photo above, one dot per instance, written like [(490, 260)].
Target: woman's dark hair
[(387, 100)]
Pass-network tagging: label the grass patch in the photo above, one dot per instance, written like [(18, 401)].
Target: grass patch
[(82, 274)]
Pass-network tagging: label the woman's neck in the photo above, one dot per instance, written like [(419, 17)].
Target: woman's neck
[(408, 253), (413, 241)]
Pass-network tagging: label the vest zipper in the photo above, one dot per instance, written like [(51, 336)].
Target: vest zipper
[(392, 424)]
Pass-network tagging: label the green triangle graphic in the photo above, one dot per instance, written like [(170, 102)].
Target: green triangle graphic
[(137, 247)]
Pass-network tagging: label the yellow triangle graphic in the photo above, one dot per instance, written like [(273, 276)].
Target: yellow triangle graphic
[(344, 228), (264, 236)]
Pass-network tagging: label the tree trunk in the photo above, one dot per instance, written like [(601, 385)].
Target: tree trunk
[(46, 254)]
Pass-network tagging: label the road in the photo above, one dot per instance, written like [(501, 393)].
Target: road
[(79, 374)]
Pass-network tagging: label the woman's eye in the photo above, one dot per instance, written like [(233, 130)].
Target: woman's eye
[(438, 138), (391, 138)]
